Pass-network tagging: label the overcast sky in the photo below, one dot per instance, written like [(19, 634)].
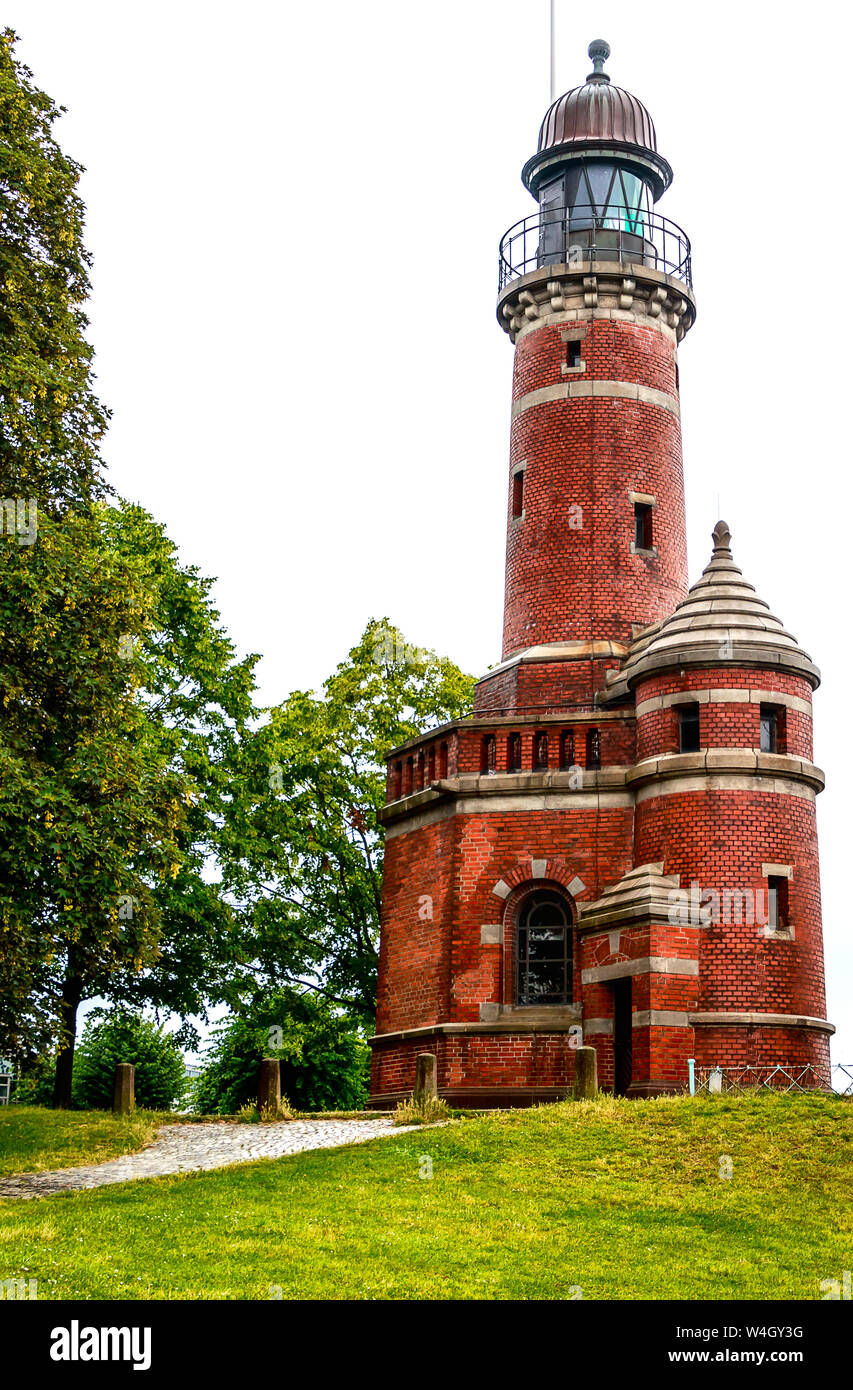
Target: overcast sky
[(294, 211)]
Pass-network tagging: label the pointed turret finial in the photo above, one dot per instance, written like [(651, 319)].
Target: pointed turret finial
[(599, 52), (721, 536)]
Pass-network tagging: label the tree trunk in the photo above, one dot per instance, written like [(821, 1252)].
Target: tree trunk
[(72, 993)]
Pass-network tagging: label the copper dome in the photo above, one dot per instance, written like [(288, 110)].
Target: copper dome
[(598, 118), (598, 111)]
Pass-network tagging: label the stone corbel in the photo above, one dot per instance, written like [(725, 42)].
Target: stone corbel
[(590, 291), (626, 298)]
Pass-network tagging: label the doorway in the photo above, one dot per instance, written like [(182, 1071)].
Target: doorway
[(622, 1030)]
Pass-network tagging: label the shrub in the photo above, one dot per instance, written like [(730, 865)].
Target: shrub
[(119, 1035), (324, 1059)]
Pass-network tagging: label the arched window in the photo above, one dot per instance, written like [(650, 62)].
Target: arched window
[(544, 950), (408, 775), (420, 768), (442, 760), (490, 754), (431, 763), (540, 752), (567, 749), (513, 753), (396, 781)]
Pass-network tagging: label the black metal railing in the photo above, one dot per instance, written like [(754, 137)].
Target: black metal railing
[(560, 238)]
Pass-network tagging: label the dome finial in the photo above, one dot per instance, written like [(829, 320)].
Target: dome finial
[(599, 52), (722, 538)]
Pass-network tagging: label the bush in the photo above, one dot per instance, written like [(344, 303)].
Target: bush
[(34, 1086), (118, 1035), (324, 1059)]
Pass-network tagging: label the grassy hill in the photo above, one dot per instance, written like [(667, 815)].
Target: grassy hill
[(617, 1199)]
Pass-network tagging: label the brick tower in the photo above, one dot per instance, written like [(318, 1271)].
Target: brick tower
[(619, 844)]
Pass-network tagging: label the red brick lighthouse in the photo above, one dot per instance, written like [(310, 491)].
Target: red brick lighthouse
[(619, 844)]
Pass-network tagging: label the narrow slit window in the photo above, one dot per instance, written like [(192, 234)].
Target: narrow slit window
[(513, 753), (540, 752), (518, 492), (431, 764), (593, 748), (688, 728), (567, 749), (489, 762), (642, 526), (772, 729), (777, 903), (442, 760)]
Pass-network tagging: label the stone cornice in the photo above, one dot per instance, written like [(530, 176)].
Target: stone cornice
[(610, 287), (753, 1020), (714, 769)]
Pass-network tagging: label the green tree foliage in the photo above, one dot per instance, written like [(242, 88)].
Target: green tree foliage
[(90, 806), (125, 705), (51, 423), (306, 853), (324, 1059), (119, 1035)]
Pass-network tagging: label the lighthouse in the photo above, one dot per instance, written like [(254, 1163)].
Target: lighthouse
[(618, 847)]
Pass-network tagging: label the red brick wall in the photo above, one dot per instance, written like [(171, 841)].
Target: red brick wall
[(722, 724), (570, 584), (719, 839)]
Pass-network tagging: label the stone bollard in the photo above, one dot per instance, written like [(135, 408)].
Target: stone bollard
[(124, 1098), (586, 1074), (269, 1085), (426, 1083)]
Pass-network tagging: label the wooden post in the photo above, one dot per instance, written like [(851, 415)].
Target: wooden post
[(586, 1073), (426, 1083), (269, 1085), (124, 1097)]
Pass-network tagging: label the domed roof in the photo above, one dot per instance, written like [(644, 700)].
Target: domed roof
[(721, 622), (598, 111), (596, 116)]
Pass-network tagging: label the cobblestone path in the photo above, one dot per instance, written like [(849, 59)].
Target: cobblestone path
[(190, 1148)]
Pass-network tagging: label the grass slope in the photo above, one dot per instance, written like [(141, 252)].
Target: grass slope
[(619, 1199), (33, 1138)]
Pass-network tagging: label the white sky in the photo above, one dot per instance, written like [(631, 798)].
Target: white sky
[(294, 211)]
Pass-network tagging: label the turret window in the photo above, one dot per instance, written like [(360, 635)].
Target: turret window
[(518, 493), (688, 728), (573, 354), (643, 537), (777, 903), (772, 729)]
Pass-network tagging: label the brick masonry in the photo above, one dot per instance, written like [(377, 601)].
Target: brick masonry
[(562, 783)]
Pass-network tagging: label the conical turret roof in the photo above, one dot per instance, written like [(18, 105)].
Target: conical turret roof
[(722, 622)]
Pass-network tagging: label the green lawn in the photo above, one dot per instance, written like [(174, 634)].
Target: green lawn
[(32, 1139), (621, 1199)]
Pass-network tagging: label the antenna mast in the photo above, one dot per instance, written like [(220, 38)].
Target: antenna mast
[(553, 64)]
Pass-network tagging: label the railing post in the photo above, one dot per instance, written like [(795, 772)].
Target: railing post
[(691, 1075)]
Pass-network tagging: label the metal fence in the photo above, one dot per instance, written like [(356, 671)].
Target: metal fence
[(773, 1076)]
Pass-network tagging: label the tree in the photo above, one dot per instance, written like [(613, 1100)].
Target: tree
[(304, 852), (51, 422), (124, 702), (324, 1059), (118, 1035)]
